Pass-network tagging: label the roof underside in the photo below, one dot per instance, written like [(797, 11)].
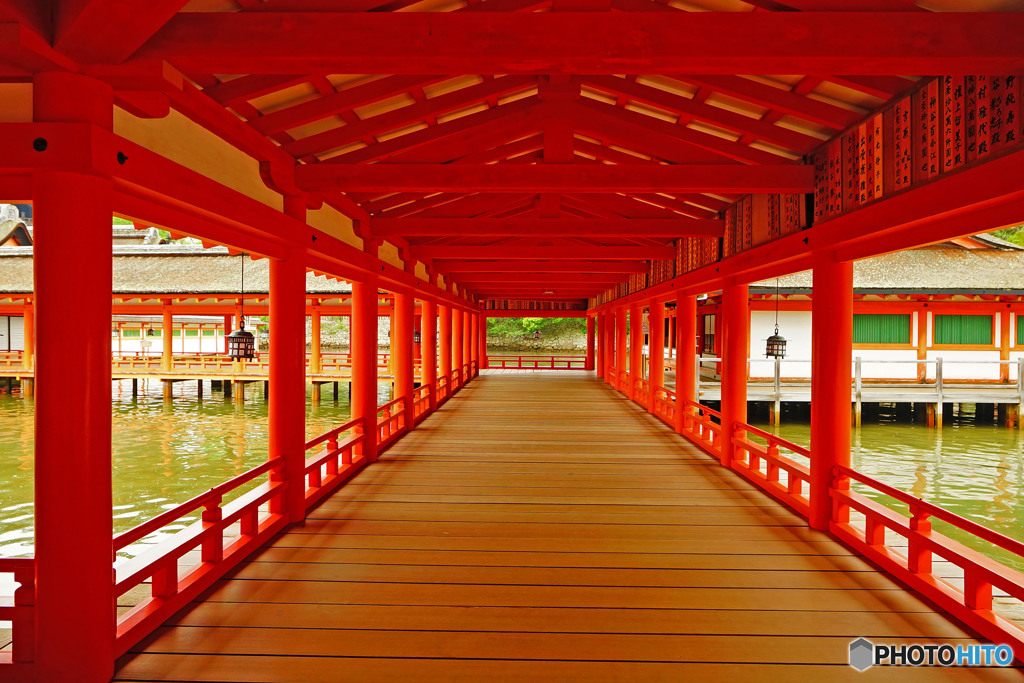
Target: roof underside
[(393, 144)]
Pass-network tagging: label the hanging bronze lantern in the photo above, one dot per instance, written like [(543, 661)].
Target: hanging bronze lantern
[(241, 344), (776, 347)]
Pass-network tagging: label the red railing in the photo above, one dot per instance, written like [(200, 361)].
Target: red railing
[(443, 389), (787, 480), (390, 422), (17, 661), (537, 362), (455, 382), (698, 423), (258, 515), (625, 383), (421, 402), (967, 591), (10, 360), (340, 459), (665, 405), (642, 392), (982, 592)]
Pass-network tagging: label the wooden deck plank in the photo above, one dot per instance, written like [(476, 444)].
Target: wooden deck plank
[(540, 527)]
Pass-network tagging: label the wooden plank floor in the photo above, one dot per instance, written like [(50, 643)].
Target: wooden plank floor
[(541, 527)]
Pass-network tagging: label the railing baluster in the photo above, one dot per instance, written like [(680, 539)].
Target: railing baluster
[(213, 544)]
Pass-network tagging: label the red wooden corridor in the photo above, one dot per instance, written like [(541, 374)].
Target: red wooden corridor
[(611, 160), (540, 527)]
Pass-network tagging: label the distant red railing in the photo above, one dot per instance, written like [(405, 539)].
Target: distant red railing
[(969, 597), (665, 405), (698, 423), (642, 391), (510, 362), (16, 663), (443, 389), (763, 465), (172, 589), (11, 360)]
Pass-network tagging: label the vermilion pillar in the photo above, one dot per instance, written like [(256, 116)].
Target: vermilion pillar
[(227, 331), (315, 361), (402, 351), (609, 344), (287, 400), (831, 351), (686, 355), (621, 359), (589, 363), (168, 338), (363, 342), (656, 343), (636, 346), (736, 346), (30, 337), (469, 351), (458, 342), (444, 344), (428, 348), (481, 353), (74, 597)]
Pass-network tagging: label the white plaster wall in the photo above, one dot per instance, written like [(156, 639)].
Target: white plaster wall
[(958, 370), (795, 326), (902, 370)]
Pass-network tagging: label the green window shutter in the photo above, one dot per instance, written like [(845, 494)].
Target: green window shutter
[(127, 334), (191, 333), (963, 329), (881, 328), (209, 333), (175, 333)]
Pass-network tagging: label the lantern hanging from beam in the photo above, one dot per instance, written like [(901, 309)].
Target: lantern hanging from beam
[(241, 344), (776, 347)]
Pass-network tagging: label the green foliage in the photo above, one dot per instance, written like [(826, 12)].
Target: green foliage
[(525, 327), (1013, 234), (121, 221)]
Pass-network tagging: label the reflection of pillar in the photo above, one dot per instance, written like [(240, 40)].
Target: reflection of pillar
[(686, 355), (1004, 345), (363, 341), (831, 349), (589, 364), (74, 598), (428, 349), (636, 347), (735, 347), (168, 336), (457, 342), (287, 402), (30, 337), (444, 345), (656, 343), (402, 335)]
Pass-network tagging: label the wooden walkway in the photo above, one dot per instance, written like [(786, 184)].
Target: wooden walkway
[(541, 527)]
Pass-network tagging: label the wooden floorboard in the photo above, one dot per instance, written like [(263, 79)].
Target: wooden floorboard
[(540, 527)]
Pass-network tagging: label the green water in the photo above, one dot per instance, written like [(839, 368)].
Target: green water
[(975, 471), (163, 452)]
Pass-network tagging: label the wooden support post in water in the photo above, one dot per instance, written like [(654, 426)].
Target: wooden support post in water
[(168, 389), (199, 388), (336, 389), (938, 394), (239, 392), (831, 349), (314, 393)]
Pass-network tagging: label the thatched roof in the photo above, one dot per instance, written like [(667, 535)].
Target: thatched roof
[(942, 268), (169, 269)]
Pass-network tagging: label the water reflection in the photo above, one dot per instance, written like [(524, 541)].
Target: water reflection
[(163, 452)]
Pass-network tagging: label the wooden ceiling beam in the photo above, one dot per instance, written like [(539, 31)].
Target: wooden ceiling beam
[(533, 252), (567, 266), (863, 43), (551, 227), (591, 178)]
